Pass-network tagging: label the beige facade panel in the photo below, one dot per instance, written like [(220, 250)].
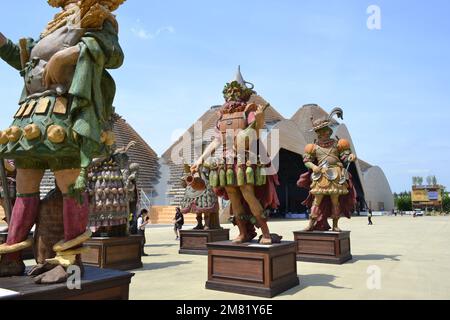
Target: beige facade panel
[(377, 190)]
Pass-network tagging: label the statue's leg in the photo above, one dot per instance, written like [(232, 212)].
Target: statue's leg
[(24, 216), (199, 222), (248, 191), (314, 213), (207, 222), (214, 221), (336, 212), (75, 217), (239, 211)]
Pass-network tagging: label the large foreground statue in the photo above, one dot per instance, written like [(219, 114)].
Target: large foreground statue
[(237, 174), (62, 123), (332, 194)]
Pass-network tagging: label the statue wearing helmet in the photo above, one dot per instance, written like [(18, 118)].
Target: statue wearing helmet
[(332, 194)]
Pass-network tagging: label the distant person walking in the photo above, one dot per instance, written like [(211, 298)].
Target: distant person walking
[(142, 223), (178, 223), (370, 217)]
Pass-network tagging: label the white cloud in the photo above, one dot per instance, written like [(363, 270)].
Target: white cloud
[(142, 33)]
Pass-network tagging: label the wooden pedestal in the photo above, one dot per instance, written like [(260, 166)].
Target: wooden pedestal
[(323, 247), (114, 253), (252, 269), (195, 241), (97, 284), (27, 254)]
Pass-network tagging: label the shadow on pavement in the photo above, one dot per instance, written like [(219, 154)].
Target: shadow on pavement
[(314, 280), (164, 265), (155, 255), (375, 257), (161, 245)]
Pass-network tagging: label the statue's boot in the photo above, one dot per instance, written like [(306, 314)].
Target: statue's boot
[(58, 274), (214, 221), (199, 223), (243, 236), (266, 237), (207, 222), (336, 217), (313, 219), (251, 231), (312, 225), (24, 215), (336, 225), (68, 251)]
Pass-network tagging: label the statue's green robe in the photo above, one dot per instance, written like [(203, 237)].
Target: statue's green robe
[(92, 92)]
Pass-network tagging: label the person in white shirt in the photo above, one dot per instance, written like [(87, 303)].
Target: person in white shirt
[(142, 223)]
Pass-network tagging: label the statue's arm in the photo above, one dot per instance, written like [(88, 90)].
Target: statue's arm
[(310, 157), (208, 152), (108, 40), (58, 64), (10, 52), (345, 152), (310, 166)]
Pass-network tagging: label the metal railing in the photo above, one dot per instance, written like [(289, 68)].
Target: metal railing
[(145, 201)]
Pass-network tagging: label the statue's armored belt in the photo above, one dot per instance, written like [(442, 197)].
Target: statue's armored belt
[(42, 105), (40, 120)]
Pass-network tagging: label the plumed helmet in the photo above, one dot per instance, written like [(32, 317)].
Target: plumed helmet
[(327, 122)]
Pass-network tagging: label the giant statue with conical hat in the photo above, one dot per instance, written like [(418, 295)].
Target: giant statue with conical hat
[(237, 171), (63, 122), (331, 191)]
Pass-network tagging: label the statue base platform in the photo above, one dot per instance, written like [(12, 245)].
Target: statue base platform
[(27, 254), (323, 247), (195, 242), (114, 253), (252, 269), (97, 284)]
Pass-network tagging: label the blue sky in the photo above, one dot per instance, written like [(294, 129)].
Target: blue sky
[(393, 83)]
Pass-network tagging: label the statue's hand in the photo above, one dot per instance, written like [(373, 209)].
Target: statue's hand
[(79, 188), (56, 69), (3, 40), (196, 167), (317, 169), (260, 117), (352, 158)]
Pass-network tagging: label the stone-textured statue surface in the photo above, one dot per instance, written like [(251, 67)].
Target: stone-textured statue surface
[(332, 194), (238, 175), (62, 123)]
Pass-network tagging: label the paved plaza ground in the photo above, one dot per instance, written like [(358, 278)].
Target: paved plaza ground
[(413, 256)]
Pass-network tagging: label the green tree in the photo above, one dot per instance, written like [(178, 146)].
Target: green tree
[(403, 201), (434, 181), (446, 203), (420, 181)]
